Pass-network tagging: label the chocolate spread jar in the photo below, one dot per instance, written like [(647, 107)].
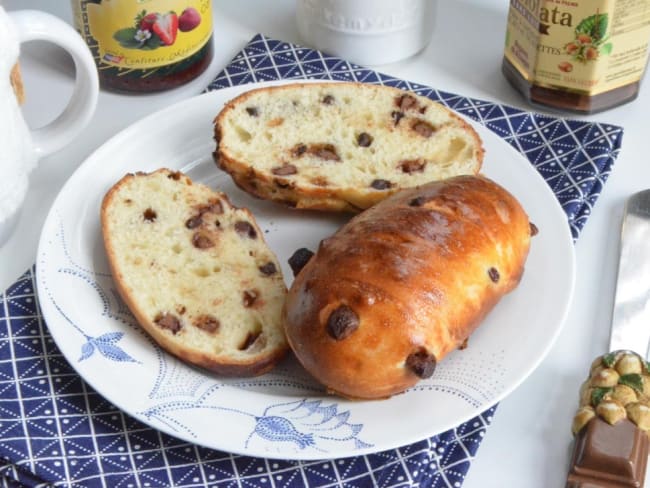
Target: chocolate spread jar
[(577, 55), (146, 45)]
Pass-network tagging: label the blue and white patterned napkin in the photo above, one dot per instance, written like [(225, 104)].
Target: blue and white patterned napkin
[(55, 430)]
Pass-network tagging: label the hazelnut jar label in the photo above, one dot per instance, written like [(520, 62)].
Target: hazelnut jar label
[(586, 46), (144, 34)]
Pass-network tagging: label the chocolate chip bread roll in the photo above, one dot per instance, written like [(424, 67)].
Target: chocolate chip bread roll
[(404, 283), (340, 146), (196, 272)]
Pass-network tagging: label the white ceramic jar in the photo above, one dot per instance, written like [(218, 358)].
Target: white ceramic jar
[(367, 32)]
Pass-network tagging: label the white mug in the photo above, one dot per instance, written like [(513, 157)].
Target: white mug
[(366, 32), (20, 146)]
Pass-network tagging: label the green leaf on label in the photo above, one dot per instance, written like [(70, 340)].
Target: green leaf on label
[(131, 44), (126, 38), (606, 48), (598, 393), (647, 365), (595, 26), (154, 41), (125, 35), (609, 359), (633, 380)]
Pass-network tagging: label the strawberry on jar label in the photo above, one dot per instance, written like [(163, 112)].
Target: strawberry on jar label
[(146, 46)]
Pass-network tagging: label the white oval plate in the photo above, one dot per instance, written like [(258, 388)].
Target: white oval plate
[(283, 414)]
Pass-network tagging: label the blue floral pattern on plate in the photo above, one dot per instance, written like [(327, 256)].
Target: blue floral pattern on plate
[(304, 424)]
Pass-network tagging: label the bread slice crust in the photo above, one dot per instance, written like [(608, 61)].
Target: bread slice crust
[(195, 272)]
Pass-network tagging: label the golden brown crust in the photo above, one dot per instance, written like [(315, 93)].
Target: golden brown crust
[(420, 270), (255, 364), (260, 186), (351, 198)]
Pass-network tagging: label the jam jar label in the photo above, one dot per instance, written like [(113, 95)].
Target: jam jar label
[(583, 46), (144, 34)]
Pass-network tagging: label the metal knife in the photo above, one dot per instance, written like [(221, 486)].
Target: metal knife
[(612, 425)]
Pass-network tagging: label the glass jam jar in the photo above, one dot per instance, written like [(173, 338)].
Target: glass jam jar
[(146, 45), (581, 56)]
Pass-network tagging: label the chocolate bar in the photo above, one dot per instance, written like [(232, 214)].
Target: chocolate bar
[(609, 456)]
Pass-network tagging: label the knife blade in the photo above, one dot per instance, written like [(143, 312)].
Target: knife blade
[(632, 298), (612, 425)]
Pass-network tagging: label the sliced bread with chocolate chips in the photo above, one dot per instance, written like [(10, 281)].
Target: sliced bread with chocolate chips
[(340, 146), (196, 272)]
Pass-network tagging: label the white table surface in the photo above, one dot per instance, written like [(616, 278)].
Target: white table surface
[(529, 441)]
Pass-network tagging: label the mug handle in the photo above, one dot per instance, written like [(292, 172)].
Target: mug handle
[(35, 25)]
